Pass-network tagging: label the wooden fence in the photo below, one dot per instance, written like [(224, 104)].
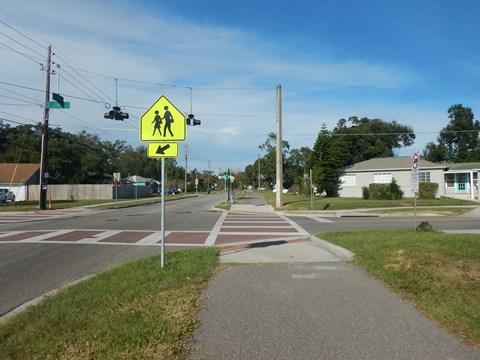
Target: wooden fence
[(89, 192)]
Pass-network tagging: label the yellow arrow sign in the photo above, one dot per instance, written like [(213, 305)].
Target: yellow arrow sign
[(162, 149), (163, 122)]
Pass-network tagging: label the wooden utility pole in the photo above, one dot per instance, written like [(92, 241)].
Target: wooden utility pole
[(44, 152), (279, 167)]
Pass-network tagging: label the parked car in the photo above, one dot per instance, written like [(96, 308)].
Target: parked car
[(173, 191), (6, 195)]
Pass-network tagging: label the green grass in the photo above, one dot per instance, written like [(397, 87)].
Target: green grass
[(135, 311), (302, 202), (99, 204), (423, 210), (438, 272)]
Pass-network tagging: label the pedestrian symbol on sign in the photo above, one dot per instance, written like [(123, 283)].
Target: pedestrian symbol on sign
[(168, 117), (163, 122)]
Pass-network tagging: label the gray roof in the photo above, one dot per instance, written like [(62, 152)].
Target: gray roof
[(392, 163), (464, 166), (139, 179)]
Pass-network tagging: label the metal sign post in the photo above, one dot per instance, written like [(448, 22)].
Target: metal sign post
[(162, 217), (163, 124), (415, 176)]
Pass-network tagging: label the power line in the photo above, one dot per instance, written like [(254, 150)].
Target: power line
[(83, 77), (25, 36), (21, 86), (21, 117), (13, 121), (20, 53), (26, 102), (19, 43), (13, 92)]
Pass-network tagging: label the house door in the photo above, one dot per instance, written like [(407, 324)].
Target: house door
[(461, 183)]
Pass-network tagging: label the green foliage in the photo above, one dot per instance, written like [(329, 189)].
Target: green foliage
[(427, 190), (390, 191), (438, 272), (425, 226), (458, 141), (365, 193), (364, 139), (372, 138), (72, 157), (327, 159), (267, 165), (134, 311)]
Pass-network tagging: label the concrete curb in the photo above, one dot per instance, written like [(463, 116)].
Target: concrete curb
[(341, 252), (38, 299)]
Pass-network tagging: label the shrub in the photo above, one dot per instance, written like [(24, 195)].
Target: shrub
[(383, 191), (394, 191), (365, 193), (427, 190), (424, 226)]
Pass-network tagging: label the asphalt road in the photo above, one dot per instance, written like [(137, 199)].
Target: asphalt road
[(317, 225), (28, 271), (194, 213), (276, 311)]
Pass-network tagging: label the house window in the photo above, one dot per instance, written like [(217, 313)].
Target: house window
[(424, 176), (349, 180), (450, 180), (382, 178)]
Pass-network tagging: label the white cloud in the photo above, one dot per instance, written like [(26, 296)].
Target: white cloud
[(233, 75)]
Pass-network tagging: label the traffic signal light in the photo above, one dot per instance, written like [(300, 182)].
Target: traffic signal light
[(192, 121), (116, 114)]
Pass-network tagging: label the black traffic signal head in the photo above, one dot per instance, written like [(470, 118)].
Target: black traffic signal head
[(116, 114), (192, 121), (120, 115)]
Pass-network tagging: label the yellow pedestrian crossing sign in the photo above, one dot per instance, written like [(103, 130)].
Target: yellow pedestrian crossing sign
[(163, 122), (162, 149)]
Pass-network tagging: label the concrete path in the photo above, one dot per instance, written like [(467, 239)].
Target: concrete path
[(301, 301)]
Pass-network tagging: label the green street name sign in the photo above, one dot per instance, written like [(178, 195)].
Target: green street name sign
[(56, 105)]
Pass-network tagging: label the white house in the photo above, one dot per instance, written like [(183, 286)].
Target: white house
[(454, 180)]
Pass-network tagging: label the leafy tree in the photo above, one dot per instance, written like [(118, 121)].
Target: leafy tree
[(458, 141), (295, 168), (20, 144), (327, 160), (352, 141), (268, 162), (72, 158), (371, 138)]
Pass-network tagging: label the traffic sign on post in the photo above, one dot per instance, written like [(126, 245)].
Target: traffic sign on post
[(415, 175), (162, 149), (163, 122)]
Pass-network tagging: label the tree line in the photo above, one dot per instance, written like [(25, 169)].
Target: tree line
[(356, 139), (82, 158), (79, 158)]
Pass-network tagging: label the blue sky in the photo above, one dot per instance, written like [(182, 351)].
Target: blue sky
[(406, 61)]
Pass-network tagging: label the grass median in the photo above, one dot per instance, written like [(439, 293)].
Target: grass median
[(438, 272), (292, 202), (134, 311)]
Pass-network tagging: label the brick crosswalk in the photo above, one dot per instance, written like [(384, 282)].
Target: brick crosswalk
[(232, 227), (20, 217)]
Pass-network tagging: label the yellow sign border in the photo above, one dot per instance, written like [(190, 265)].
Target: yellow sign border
[(183, 129), (173, 147)]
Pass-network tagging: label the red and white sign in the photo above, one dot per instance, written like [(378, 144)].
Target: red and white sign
[(415, 176), (415, 161)]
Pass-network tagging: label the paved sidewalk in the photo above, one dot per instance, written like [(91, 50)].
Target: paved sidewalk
[(301, 301)]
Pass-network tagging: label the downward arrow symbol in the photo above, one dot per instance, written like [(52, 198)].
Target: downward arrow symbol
[(161, 150)]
